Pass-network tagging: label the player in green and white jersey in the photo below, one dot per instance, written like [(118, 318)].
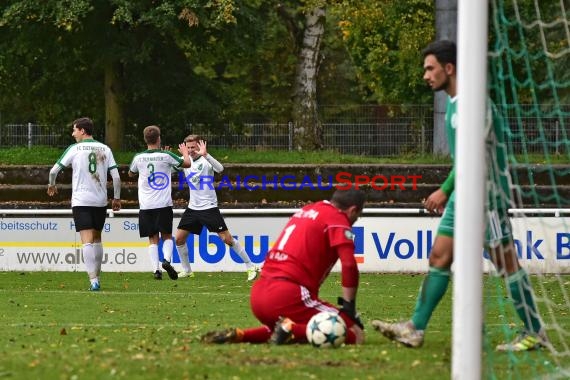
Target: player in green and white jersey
[(91, 161), (440, 74), (154, 167), (203, 207)]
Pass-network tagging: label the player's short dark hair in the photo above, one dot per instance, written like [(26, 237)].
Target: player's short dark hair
[(191, 138), (344, 199), (151, 134), (445, 51), (84, 123)]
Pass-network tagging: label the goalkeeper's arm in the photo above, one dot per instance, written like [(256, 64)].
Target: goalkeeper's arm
[(349, 282)]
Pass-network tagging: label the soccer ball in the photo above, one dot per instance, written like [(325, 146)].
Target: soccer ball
[(326, 330)]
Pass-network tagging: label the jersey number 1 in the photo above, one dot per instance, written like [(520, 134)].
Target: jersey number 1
[(286, 235)]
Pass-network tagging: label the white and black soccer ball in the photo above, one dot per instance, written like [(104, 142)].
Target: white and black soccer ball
[(326, 330)]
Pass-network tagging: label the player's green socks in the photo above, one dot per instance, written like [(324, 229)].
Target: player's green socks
[(432, 291), (523, 299)]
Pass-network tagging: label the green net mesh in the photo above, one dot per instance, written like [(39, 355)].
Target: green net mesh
[(529, 82)]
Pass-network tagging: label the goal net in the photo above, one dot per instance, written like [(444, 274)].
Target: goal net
[(529, 83)]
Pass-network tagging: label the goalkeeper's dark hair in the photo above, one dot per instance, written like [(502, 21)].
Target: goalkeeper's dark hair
[(344, 199), (445, 51)]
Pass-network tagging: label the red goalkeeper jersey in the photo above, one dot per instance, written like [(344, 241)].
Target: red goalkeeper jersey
[(310, 245)]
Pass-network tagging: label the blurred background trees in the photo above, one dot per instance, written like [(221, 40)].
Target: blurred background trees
[(182, 63)]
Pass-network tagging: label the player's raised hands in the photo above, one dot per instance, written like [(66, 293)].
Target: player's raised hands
[(183, 149), (202, 151)]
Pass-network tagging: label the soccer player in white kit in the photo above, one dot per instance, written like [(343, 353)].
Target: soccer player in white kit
[(91, 161), (154, 167), (203, 207)]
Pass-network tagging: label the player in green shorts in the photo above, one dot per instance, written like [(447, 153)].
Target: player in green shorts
[(440, 74)]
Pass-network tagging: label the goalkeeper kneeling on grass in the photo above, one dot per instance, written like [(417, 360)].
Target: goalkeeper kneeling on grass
[(440, 74), (287, 294)]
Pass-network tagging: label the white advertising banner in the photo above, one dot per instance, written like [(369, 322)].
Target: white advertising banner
[(383, 243)]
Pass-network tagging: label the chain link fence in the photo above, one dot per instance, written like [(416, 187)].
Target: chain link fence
[(386, 130), (382, 131)]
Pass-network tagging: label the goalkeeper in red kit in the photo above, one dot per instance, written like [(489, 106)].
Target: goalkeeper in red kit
[(287, 294)]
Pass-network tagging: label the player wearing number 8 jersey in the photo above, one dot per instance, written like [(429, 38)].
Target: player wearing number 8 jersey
[(287, 295), (91, 161), (153, 167)]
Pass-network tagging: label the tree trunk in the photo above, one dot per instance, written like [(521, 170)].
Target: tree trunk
[(114, 112), (308, 128)]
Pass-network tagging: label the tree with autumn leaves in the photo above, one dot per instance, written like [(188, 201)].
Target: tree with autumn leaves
[(180, 62)]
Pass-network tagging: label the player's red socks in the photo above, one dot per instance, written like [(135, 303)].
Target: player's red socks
[(256, 335)]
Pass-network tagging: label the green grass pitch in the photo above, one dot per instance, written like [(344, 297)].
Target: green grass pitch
[(140, 328)]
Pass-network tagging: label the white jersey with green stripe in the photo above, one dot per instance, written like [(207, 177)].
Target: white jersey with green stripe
[(200, 179), (91, 161), (154, 167)]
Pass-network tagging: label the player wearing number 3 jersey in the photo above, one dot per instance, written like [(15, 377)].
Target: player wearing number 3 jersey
[(287, 295), (91, 161), (154, 166)]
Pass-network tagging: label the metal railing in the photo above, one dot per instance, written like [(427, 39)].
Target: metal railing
[(382, 131)]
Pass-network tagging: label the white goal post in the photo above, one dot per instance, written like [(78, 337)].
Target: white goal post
[(469, 188)]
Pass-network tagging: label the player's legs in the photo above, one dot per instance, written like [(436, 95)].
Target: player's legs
[(89, 254), (436, 282), (189, 223), (503, 254), (290, 306), (165, 216), (167, 246), (213, 220), (252, 270), (433, 288), (180, 240), (89, 222), (281, 304), (148, 227), (98, 246), (153, 254)]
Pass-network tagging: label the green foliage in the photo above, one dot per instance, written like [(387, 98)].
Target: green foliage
[(184, 62), (532, 62), (62, 48), (384, 39)]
